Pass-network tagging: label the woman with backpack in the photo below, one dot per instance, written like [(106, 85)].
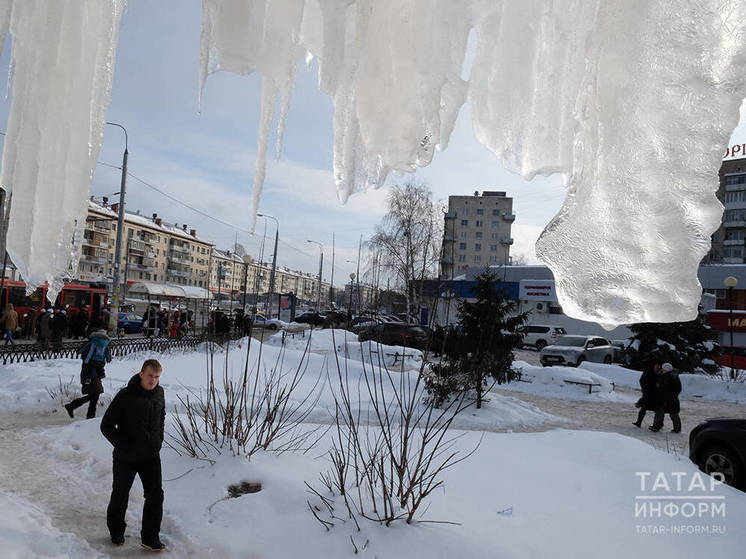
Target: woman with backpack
[(95, 356)]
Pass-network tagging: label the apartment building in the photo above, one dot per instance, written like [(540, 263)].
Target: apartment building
[(152, 250), (728, 240), (477, 232)]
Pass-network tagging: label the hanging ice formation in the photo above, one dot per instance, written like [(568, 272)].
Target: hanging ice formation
[(62, 62), (632, 102)]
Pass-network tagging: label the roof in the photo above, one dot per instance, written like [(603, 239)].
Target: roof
[(169, 290)]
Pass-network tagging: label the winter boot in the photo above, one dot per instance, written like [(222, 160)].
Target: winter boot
[(69, 408), (156, 546)]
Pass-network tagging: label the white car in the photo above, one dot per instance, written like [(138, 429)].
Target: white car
[(573, 350), (261, 321), (541, 335)]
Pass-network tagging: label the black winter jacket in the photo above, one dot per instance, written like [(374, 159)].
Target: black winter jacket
[(134, 422), (649, 391)]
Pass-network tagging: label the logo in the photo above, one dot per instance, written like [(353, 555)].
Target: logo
[(679, 503)]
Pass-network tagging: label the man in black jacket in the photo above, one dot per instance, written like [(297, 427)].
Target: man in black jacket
[(134, 425)]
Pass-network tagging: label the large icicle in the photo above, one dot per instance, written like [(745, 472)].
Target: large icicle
[(632, 102), (63, 60)]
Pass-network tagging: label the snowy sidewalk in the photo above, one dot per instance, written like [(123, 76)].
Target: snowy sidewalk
[(72, 491)]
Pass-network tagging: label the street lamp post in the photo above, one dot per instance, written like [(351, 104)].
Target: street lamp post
[(116, 287), (274, 265), (321, 268), (349, 308), (731, 282)]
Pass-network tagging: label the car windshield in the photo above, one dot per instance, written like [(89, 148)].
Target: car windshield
[(571, 341)]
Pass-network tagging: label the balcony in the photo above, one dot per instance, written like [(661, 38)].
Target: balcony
[(506, 241), (450, 215), (179, 273), (738, 223), (733, 260), (182, 249), (509, 217), (448, 238), (98, 226), (137, 246), (733, 242), (178, 256), (90, 259)]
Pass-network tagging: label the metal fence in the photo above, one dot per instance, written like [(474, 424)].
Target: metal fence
[(22, 353)]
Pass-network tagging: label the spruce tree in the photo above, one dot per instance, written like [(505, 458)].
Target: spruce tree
[(481, 348), (686, 345)]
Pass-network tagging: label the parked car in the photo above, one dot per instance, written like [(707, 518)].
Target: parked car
[(397, 333), (718, 446), (573, 350), (312, 318), (261, 321), (620, 351), (728, 354), (541, 335), (130, 322)]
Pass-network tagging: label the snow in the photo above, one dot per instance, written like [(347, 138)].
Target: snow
[(633, 104), (562, 382), (62, 64), (520, 495), (25, 531)]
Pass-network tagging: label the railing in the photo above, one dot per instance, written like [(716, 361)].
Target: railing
[(23, 353)]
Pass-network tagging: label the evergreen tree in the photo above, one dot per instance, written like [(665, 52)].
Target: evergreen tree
[(686, 345), (481, 348)]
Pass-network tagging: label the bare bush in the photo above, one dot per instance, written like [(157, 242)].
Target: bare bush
[(256, 412), (387, 459), (64, 391)]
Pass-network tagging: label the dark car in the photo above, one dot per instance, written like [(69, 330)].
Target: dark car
[(397, 333), (130, 322), (312, 318), (719, 446)]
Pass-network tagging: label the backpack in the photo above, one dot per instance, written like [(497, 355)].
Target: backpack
[(97, 351)]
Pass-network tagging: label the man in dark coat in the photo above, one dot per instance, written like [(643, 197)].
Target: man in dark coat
[(134, 425), (649, 400), (668, 388)]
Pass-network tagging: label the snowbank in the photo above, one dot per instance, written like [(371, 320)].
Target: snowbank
[(692, 386), (563, 382), (519, 495)]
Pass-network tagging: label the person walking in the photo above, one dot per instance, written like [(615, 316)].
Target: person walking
[(79, 323), (649, 400), (134, 424), (95, 355), (668, 387), (10, 320), (59, 327), (45, 327)]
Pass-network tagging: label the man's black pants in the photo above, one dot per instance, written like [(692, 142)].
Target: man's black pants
[(150, 476)]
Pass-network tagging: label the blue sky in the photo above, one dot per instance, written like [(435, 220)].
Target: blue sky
[(207, 159)]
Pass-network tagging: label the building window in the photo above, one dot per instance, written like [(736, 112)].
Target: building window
[(477, 259), (738, 196), (478, 246), (462, 246), (496, 211), (466, 211), (493, 259), (495, 224), (464, 222), (462, 258), (480, 211), (735, 179), (478, 235), (480, 223), (735, 215), (494, 236), (733, 252), (737, 235), (493, 248), (462, 235)]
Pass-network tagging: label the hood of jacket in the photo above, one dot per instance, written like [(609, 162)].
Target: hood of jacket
[(136, 387)]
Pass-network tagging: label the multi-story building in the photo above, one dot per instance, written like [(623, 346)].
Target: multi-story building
[(152, 251), (476, 232), (728, 240)]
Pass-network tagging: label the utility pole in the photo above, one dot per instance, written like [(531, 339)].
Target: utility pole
[(321, 268), (274, 266), (116, 287), (359, 250)]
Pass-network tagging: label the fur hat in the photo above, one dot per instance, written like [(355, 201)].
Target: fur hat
[(667, 367)]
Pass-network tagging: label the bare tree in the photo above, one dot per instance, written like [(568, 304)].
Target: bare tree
[(408, 238)]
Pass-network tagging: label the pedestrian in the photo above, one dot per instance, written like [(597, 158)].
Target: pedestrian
[(79, 323), (59, 327), (95, 355), (10, 321), (668, 388), (27, 330), (134, 423), (45, 327), (649, 401), (162, 322)]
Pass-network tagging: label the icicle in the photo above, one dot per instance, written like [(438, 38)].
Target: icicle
[(63, 55)]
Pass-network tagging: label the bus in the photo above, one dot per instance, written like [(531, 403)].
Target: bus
[(72, 295)]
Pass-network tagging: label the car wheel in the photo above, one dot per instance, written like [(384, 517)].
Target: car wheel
[(607, 360), (580, 360), (721, 460), (272, 326), (541, 344)]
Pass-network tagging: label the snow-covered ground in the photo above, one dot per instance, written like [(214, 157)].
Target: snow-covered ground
[(553, 494)]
